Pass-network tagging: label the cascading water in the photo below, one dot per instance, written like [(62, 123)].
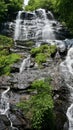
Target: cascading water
[(4, 107), (25, 64), (17, 27), (34, 25), (67, 71)]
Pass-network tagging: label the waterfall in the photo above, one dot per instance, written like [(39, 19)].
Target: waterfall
[(25, 64), (17, 26), (30, 25), (4, 103), (4, 106), (67, 71)]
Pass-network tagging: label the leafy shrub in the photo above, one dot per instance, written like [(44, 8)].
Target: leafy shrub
[(39, 108), (5, 41), (35, 4), (6, 61), (8, 9), (35, 51), (43, 52), (6, 57), (40, 58)]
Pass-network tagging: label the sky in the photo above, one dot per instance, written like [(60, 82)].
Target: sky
[(26, 2)]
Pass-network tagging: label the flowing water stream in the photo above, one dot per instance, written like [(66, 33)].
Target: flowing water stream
[(67, 71), (4, 107)]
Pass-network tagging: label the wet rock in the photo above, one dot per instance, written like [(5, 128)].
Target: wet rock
[(69, 42), (50, 15), (61, 104), (4, 122), (60, 120), (14, 69), (7, 29), (4, 81), (18, 119)]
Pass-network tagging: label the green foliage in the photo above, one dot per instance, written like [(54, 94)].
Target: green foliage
[(35, 4), (6, 61), (14, 6), (6, 58), (65, 11), (42, 53), (9, 8), (3, 10), (39, 108), (40, 58), (5, 41)]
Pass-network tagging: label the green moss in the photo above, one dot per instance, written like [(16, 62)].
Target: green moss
[(43, 52), (39, 108)]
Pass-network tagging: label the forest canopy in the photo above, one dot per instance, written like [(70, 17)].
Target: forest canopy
[(8, 8)]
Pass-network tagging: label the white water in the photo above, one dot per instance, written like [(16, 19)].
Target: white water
[(25, 64), (30, 25), (17, 26), (4, 107), (67, 71)]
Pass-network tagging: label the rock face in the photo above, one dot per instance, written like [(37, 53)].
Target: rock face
[(18, 119), (4, 122)]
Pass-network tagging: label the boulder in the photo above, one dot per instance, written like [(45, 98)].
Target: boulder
[(4, 122)]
